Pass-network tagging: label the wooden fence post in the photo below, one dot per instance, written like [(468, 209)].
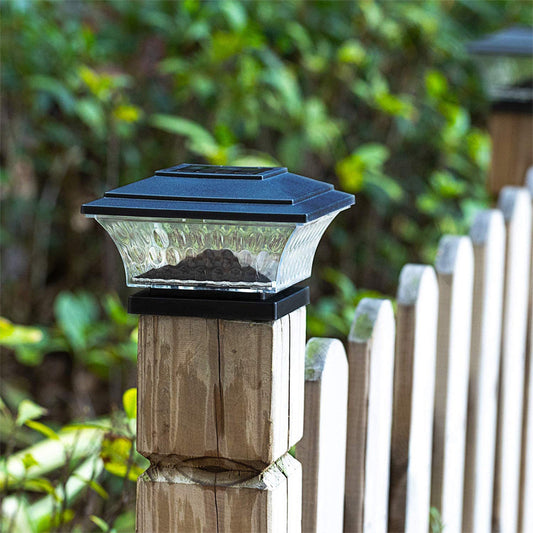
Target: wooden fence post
[(220, 403), (526, 474), (515, 203), (455, 272), (371, 368), (488, 238), (322, 450), (414, 389)]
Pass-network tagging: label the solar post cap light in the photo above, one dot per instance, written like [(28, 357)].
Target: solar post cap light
[(197, 235), (505, 59)]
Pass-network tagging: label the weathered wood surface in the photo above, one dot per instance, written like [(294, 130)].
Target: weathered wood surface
[(292, 470), (178, 370), (322, 450), (488, 238), (512, 139), (254, 390), (526, 468), (370, 364), (172, 500), (455, 271), (515, 204), (218, 388), (296, 376), (414, 389)]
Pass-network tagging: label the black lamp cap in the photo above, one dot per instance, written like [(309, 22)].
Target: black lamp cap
[(514, 41), (270, 194)]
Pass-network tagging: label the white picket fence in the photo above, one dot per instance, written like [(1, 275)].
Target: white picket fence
[(435, 406)]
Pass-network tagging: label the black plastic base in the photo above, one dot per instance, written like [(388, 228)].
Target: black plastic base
[(214, 304), (512, 106)]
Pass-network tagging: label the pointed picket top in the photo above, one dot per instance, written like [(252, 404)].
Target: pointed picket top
[(322, 450), (371, 365), (455, 271), (488, 237), (414, 388), (515, 204)]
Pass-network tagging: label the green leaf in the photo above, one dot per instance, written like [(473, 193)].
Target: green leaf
[(446, 185), (43, 429), (29, 355), (235, 14), (127, 113), (350, 172), (28, 461), (28, 410), (394, 105), (75, 313), (41, 484), (13, 335), (479, 148), (388, 185), (351, 51), (116, 457), (92, 114), (372, 155), (115, 310), (435, 521), (102, 524), (200, 140), (436, 84), (55, 88), (125, 522), (62, 518), (88, 425), (95, 486), (129, 400)]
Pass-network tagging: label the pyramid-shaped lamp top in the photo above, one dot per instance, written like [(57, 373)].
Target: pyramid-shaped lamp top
[(253, 229)]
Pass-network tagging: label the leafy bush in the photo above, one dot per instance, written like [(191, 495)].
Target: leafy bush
[(51, 475), (47, 486), (378, 97)]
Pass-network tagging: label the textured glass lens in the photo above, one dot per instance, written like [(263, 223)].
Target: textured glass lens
[(186, 253)]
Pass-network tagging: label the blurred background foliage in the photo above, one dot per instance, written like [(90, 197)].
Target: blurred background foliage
[(378, 97)]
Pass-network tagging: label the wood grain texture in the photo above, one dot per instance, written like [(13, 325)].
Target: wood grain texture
[(292, 470), (218, 388), (512, 149), (488, 239), (254, 379), (322, 450), (414, 389), (178, 386), (455, 272), (371, 365), (515, 204), (176, 500), (526, 465), (296, 376)]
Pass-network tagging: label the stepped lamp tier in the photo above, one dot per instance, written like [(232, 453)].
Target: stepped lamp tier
[(505, 60), (218, 228)]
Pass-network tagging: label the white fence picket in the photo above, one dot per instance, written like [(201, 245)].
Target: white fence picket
[(414, 388), (371, 364), (455, 271), (322, 451), (488, 239), (526, 479), (515, 204)]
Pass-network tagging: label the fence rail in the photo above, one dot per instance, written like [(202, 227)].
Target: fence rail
[(440, 398)]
